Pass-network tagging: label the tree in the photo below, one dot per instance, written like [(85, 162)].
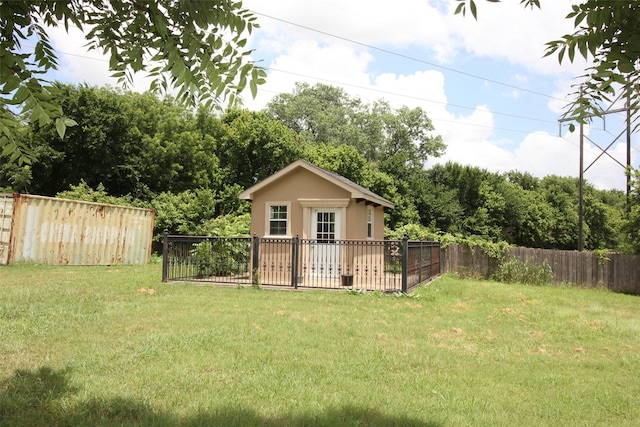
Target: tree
[(632, 225), (131, 143), (561, 193), (251, 147), (395, 143), (324, 114), (608, 32), (345, 160), (196, 47)]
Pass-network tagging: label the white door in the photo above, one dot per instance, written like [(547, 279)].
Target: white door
[(325, 251)]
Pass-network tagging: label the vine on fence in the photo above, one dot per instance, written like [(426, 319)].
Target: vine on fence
[(495, 250)]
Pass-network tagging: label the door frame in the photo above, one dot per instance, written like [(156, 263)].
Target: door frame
[(325, 255), (308, 233), (309, 204)]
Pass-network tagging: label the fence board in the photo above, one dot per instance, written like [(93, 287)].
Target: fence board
[(620, 273)]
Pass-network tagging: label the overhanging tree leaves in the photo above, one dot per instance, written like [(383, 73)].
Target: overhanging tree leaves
[(194, 47), (607, 32)]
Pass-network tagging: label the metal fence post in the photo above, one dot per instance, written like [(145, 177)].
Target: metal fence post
[(405, 262), (295, 243), (255, 262), (165, 257), (420, 262), (431, 245)]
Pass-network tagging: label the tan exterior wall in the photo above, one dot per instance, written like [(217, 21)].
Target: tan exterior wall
[(301, 189), (357, 221), (299, 184)]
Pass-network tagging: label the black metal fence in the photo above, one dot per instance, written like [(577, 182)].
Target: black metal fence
[(383, 265)]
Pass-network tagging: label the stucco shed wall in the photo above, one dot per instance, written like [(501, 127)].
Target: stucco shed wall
[(306, 185)]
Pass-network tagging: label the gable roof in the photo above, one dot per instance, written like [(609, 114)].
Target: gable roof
[(357, 192)]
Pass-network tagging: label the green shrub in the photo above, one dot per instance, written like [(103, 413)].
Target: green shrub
[(203, 254), (514, 270), (220, 257)]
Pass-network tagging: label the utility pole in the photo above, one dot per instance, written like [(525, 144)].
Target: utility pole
[(604, 151), (581, 193)]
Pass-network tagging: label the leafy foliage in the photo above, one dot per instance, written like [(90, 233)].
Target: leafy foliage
[(462, 6), (324, 114), (608, 32), (495, 250), (191, 166), (226, 226), (183, 213), (219, 257), (631, 228), (251, 147), (203, 254), (195, 47), (517, 271), (387, 146), (84, 192)]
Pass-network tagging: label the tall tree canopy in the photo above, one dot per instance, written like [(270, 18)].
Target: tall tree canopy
[(394, 139), (196, 47), (607, 32)]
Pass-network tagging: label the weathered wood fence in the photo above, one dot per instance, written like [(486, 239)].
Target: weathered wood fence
[(620, 273)]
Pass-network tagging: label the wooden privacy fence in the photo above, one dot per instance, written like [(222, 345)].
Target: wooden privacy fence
[(375, 265), (620, 273)]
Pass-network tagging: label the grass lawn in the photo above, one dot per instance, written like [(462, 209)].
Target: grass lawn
[(115, 346)]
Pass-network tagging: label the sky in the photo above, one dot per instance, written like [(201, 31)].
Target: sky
[(491, 94)]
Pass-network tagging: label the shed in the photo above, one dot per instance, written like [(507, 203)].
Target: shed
[(313, 203), (335, 225)]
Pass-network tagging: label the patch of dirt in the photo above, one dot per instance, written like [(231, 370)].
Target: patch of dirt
[(461, 306), (448, 333)]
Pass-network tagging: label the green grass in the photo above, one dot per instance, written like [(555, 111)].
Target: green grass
[(115, 346)]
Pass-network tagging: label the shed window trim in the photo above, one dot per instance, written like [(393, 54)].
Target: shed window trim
[(324, 203), (369, 222), (277, 215)]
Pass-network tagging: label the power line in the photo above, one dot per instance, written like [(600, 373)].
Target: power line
[(632, 147), (408, 96), (374, 90), (393, 94), (458, 123), (411, 58)]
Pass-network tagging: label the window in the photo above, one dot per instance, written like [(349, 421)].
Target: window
[(278, 220), (369, 223), (325, 227)]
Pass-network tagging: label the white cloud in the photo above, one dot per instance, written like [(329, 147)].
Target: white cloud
[(371, 22), (508, 31), (505, 33), (80, 65)]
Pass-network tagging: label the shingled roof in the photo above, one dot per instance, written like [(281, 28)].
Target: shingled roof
[(358, 192)]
